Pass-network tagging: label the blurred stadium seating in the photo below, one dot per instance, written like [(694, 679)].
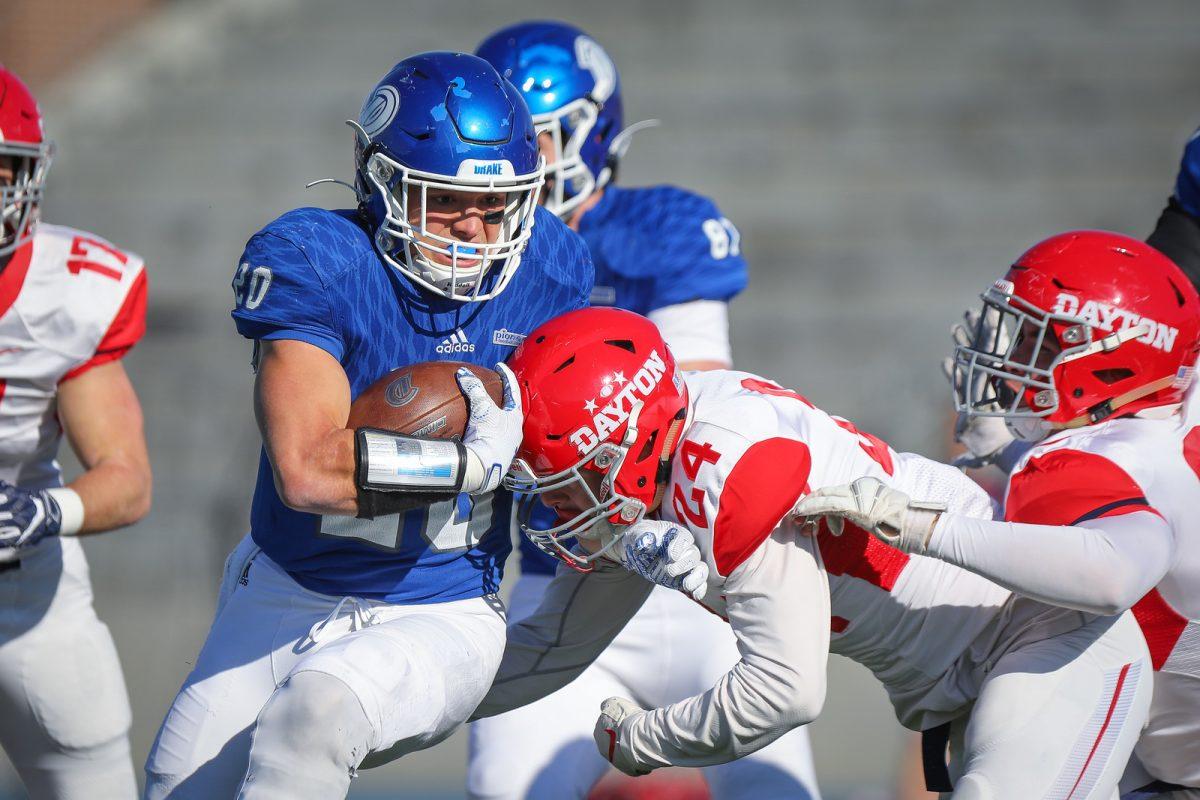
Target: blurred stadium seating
[(883, 160)]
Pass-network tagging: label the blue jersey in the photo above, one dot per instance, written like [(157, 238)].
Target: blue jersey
[(653, 247), (313, 275)]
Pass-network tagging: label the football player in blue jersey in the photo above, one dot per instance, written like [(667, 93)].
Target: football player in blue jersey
[(1177, 233), (671, 255), (358, 621)]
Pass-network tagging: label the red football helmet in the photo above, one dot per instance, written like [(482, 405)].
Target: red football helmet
[(1084, 324), (24, 145), (601, 393)]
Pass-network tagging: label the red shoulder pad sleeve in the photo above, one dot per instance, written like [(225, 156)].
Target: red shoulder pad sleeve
[(763, 485), (1067, 487), (126, 329)]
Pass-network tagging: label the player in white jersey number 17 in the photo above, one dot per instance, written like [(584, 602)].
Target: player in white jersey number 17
[(71, 305), (1037, 701)]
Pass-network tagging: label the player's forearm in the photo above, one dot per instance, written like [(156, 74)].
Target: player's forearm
[(778, 606), (579, 616), (1102, 566), (751, 706), (317, 477), (115, 493)]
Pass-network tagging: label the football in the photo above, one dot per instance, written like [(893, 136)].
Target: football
[(420, 400)]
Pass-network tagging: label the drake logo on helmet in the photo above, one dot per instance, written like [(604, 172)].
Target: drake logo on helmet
[(379, 110), (473, 167), (1110, 318), (612, 415)]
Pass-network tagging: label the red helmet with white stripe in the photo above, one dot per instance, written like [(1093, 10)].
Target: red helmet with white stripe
[(601, 395), (25, 147), (1084, 324)]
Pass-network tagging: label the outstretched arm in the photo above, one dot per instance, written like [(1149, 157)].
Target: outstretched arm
[(778, 606), (1101, 566)]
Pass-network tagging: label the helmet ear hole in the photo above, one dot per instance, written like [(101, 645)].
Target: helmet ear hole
[(648, 448), (1178, 294), (1114, 375)]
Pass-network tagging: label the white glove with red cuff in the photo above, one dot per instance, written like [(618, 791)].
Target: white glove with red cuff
[(616, 713), (869, 503)]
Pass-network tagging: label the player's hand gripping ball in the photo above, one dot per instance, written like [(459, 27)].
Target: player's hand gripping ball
[(421, 400), (494, 431)]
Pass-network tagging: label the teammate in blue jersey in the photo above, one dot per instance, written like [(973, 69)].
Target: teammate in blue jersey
[(671, 255), (358, 620), (1177, 233)]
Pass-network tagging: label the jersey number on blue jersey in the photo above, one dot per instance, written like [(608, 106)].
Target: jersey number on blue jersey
[(450, 525), (250, 285), (723, 238)]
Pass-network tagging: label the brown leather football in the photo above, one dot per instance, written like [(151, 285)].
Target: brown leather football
[(421, 400)]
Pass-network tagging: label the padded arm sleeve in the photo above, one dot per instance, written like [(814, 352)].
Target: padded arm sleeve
[(580, 614), (1102, 566), (778, 605)]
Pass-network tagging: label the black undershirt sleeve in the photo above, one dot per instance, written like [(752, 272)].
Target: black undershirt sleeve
[(1177, 236)]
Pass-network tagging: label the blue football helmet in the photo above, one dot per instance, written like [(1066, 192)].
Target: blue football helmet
[(447, 122), (572, 88)]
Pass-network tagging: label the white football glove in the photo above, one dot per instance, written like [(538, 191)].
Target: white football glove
[(663, 553), (493, 432), (984, 437), (871, 504), (613, 746)]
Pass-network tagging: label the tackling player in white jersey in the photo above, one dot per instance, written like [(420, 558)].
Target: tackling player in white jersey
[(1087, 347), (71, 305), (670, 254), (1041, 701)]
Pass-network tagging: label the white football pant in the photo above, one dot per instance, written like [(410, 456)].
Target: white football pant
[(64, 710), (672, 649), (1056, 717), (293, 690)]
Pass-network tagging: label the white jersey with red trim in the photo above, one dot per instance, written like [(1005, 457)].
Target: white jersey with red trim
[(751, 449), (68, 301), (1118, 467)]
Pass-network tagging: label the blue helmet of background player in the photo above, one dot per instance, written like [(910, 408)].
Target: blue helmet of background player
[(441, 122), (574, 93)]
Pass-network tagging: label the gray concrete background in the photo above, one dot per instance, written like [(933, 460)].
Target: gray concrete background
[(884, 161)]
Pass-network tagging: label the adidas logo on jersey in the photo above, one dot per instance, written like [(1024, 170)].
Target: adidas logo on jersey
[(455, 343)]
